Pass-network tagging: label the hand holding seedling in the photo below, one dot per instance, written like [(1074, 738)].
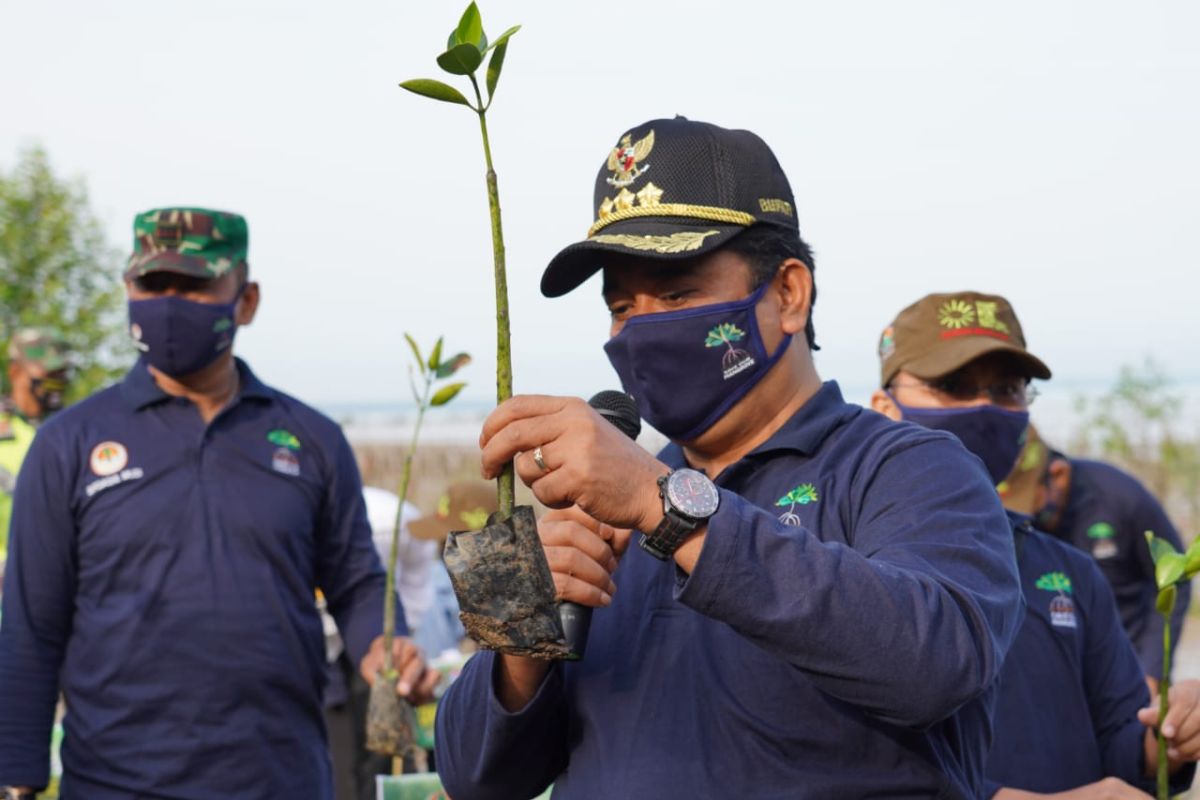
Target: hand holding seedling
[(1175, 731), (587, 461)]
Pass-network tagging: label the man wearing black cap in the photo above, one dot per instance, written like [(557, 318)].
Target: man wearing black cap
[(1073, 714), (819, 601), (167, 534)]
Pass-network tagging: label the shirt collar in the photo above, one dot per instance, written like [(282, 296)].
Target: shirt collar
[(803, 432), (140, 390)]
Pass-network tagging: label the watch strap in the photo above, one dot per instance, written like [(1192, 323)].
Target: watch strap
[(665, 539)]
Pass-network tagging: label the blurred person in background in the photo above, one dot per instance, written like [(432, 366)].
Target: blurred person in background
[(1103, 511), (37, 380), (1073, 714)]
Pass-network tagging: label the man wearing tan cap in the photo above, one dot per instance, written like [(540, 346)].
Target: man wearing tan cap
[(1073, 713)]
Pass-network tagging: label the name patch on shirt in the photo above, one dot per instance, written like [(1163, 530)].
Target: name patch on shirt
[(286, 462), (131, 474)]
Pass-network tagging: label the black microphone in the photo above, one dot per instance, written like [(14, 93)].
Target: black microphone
[(619, 409)]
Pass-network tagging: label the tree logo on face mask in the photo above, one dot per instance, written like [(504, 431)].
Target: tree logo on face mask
[(734, 360), (802, 495)]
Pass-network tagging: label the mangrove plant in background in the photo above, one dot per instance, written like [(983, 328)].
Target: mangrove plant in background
[(389, 719)]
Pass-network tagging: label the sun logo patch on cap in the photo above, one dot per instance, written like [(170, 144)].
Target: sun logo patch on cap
[(955, 314), (625, 157), (108, 458)]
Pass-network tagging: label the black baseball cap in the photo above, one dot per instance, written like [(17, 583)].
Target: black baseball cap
[(674, 189)]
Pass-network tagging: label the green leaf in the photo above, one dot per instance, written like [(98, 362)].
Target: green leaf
[(462, 59), (416, 350), (1159, 548), (446, 394), (427, 87), (436, 354), (1165, 603), (1192, 556), (495, 64), (504, 37), (1169, 569), (470, 27), (452, 365)]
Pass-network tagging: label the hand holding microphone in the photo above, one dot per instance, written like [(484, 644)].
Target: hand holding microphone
[(619, 409)]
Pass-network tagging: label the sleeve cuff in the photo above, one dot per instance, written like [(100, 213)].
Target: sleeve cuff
[(701, 590)]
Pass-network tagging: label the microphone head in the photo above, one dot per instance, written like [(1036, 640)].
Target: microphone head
[(619, 409)]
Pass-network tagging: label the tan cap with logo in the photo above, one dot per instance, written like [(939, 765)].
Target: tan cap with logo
[(942, 332)]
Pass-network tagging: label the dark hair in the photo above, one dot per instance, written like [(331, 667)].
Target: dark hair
[(765, 247)]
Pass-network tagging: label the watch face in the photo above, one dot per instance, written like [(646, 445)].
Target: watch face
[(690, 493)]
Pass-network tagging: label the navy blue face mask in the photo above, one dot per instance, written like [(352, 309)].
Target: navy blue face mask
[(685, 369), (179, 337), (994, 434)]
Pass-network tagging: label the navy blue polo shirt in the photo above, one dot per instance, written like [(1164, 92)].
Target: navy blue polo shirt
[(1107, 515), (1071, 687), (162, 574), (839, 636)]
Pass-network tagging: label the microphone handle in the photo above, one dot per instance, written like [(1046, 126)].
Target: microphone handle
[(577, 619)]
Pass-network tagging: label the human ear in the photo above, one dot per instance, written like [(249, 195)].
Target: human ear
[(794, 282), (882, 402)]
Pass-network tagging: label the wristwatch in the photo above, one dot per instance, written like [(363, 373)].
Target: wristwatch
[(13, 793), (689, 499)]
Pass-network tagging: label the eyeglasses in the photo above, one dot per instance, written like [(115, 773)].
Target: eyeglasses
[(1018, 392)]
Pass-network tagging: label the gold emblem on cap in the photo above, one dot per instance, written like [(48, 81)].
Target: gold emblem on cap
[(681, 242), (625, 157)]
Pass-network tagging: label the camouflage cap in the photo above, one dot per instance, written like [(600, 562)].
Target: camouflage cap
[(1018, 492), (942, 332), (41, 346), (464, 506), (189, 241)]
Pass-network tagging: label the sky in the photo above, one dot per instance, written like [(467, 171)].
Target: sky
[(1043, 151)]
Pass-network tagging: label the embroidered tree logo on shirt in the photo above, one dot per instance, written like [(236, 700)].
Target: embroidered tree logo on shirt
[(1101, 530), (802, 495), (1054, 582), (282, 438), (955, 314), (735, 360)]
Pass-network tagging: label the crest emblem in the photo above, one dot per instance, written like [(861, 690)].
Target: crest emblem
[(1102, 534), (887, 343), (1062, 607), (625, 158), (108, 458)]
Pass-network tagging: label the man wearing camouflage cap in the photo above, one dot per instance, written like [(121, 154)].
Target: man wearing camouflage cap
[(806, 613), (1073, 714), (37, 379), (167, 536)]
